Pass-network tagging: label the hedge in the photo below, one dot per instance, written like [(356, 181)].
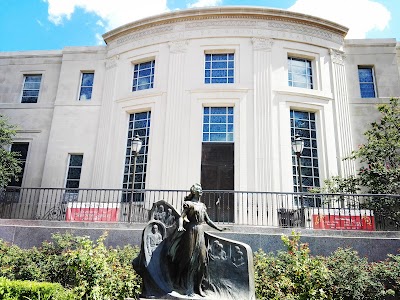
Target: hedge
[(17, 290), (88, 270)]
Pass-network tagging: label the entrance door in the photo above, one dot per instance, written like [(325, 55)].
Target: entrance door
[(217, 173)]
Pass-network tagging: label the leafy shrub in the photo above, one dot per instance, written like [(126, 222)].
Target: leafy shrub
[(350, 276), (387, 274), (17, 263), (353, 277), (102, 274), (16, 290), (291, 274), (88, 268)]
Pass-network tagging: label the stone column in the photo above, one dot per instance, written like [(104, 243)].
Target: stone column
[(344, 141), (105, 125), (176, 136), (262, 113)]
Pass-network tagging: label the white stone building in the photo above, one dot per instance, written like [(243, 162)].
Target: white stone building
[(214, 93)]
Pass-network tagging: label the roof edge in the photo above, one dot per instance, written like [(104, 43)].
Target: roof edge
[(239, 11)]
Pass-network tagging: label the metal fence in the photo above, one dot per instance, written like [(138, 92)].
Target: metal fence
[(317, 211)]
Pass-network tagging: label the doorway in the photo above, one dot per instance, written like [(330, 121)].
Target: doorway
[(217, 175)]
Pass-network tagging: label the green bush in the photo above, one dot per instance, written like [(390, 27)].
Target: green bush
[(350, 275), (18, 290), (294, 274), (102, 274), (17, 263), (88, 268), (387, 275), (291, 274)]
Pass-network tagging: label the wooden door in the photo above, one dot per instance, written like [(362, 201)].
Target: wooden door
[(217, 174)]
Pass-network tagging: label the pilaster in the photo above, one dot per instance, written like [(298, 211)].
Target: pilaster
[(344, 141), (177, 121), (105, 124), (262, 113)]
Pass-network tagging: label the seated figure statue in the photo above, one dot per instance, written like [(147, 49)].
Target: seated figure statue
[(189, 262)]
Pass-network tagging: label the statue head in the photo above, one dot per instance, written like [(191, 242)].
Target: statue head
[(196, 189), (218, 245), (161, 208), (155, 228)]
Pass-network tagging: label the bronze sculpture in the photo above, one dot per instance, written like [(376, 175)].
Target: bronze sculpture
[(188, 250), (190, 263)]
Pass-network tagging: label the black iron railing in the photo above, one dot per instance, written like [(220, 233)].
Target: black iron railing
[(318, 211)]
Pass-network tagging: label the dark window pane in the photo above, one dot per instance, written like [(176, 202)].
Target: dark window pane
[(74, 173), (73, 184), (31, 88), (76, 160)]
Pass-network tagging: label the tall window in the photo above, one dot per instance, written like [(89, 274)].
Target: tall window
[(143, 76), (30, 91), (219, 68), (300, 72), (139, 123), (74, 172), (218, 124), (367, 85), (303, 124), (22, 149), (217, 162), (86, 86)]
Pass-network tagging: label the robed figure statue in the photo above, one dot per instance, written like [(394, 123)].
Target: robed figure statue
[(189, 263)]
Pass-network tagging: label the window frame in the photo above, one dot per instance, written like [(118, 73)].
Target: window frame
[(82, 73), (220, 52), (144, 153), (312, 62), (372, 68), (317, 148), (67, 189), (24, 161), (152, 74), (227, 114), (25, 75)]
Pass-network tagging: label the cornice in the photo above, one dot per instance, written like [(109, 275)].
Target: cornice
[(214, 13), (31, 54)]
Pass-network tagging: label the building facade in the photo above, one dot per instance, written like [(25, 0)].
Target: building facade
[(215, 94)]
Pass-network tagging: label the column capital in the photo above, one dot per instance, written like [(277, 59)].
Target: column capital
[(262, 43), (111, 62), (178, 46), (337, 56)]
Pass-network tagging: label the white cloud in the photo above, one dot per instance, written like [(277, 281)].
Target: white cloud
[(360, 16), (100, 23), (99, 39), (203, 3), (113, 13)]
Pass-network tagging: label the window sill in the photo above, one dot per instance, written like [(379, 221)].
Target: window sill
[(301, 92)]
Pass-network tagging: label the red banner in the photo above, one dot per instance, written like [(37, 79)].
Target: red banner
[(339, 222), (93, 214)]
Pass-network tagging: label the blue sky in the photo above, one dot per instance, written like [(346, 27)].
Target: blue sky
[(54, 24)]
